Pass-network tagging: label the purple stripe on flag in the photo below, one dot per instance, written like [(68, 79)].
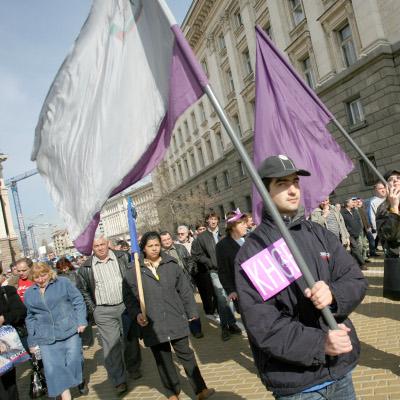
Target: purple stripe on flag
[(291, 120), (186, 83)]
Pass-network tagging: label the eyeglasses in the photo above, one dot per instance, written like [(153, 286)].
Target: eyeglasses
[(181, 233)]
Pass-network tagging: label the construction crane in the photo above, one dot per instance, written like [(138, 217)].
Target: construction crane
[(12, 183)]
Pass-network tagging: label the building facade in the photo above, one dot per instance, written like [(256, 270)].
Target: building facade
[(62, 243), (113, 216), (348, 51), (10, 249)]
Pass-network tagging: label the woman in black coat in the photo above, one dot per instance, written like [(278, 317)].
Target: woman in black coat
[(227, 248), (170, 305), (12, 312)]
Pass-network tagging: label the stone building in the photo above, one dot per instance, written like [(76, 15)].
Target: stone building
[(62, 243), (347, 51), (9, 245), (113, 216)]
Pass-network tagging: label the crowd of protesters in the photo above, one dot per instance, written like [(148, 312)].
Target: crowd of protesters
[(58, 302)]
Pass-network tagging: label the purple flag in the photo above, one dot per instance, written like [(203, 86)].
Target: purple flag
[(109, 114), (290, 119)]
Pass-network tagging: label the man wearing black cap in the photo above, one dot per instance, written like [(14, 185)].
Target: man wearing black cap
[(295, 352), (388, 216)]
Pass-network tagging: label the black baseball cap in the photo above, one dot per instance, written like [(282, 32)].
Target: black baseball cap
[(279, 166), (390, 173)]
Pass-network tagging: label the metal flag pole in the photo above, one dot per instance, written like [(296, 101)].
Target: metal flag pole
[(358, 150), (135, 253), (326, 312)]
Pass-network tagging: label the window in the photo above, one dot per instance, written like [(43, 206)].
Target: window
[(209, 150), (355, 112), (227, 181), (221, 211), (247, 62), (186, 164), (237, 19), (249, 204), (221, 42), (193, 162), (220, 143), (180, 137), (297, 11), (174, 143), (194, 122), (215, 183), (237, 128), (202, 112), (347, 45), (229, 79), (268, 30), (187, 133), (204, 66), (368, 176), (180, 172), (242, 171), (308, 72), (232, 205), (207, 188), (201, 157)]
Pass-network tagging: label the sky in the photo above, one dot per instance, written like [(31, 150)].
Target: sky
[(36, 37)]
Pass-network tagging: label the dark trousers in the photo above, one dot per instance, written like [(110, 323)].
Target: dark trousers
[(8, 386), (166, 368), (356, 251), (206, 291)]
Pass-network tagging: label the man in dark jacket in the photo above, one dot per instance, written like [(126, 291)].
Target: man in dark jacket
[(354, 226), (388, 216), (100, 282), (185, 261), (294, 350), (204, 253)]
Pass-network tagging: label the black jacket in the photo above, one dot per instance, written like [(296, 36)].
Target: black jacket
[(286, 332), (85, 278), (11, 307), (226, 251), (388, 227), (203, 252), (353, 222), (169, 301)]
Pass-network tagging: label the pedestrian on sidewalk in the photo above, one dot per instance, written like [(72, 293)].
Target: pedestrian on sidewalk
[(227, 248), (329, 217), (204, 253), (296, 354), (388, 216), (354, 226), (100, 282), (186, 262), (56, 315), (12, 312), (170, 304)]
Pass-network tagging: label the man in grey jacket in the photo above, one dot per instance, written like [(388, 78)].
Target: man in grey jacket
[(328, 216), (100, 282)]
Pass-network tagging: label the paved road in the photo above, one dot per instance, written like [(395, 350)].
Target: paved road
[(228, 366)]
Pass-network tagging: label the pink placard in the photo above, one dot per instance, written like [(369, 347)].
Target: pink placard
[(272, 269)]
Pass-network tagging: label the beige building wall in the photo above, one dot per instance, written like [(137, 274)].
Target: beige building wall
[(348, 51), (114, 218)]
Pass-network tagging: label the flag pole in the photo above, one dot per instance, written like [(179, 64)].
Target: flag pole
[(358, 150), (135, 253), (326, 312)]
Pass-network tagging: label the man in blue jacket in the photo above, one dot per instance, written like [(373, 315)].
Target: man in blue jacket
[(296, 354)]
